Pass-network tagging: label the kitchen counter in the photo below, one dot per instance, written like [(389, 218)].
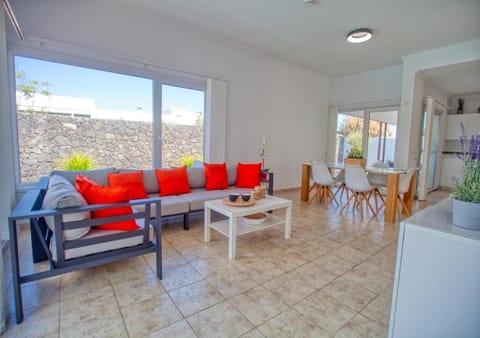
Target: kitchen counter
[(436, 291)]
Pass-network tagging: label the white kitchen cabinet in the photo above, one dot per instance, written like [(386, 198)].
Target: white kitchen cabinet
[(452, 166), (437, 277), (470, 121)]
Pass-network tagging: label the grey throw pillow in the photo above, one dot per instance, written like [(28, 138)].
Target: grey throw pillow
[(62, 194)]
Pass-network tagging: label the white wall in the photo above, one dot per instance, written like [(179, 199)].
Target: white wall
[(413, 89), (363, 89), (266, 97)]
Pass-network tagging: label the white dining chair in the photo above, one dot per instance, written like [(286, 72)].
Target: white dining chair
[(361, 190), (403, 187), (323, 183)]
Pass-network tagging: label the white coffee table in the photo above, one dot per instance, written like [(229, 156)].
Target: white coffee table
[(236, 226)]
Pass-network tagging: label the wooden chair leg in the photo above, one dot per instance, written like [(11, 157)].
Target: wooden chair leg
[(404, 206), (369, 205), (346, 203)]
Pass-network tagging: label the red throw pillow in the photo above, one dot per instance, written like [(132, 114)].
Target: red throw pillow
[(172, 181), (215, 176), (99, 194), (248, 175), (81, 181), (132, 181)]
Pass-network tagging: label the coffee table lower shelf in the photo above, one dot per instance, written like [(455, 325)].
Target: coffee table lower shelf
[(245, 228), (235, 225)]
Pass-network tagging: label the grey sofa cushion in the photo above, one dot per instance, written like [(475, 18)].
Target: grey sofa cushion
[(171, 205), (98, 175), (149, 179), (62, 194), (196, 177)]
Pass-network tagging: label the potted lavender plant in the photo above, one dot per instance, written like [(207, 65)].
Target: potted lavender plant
[(466, 202)]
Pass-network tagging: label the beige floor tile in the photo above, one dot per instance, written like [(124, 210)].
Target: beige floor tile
[(349, 293), (350, 254), (143, 318), (97, 327), (195, 297), (212, 265), (258, 304), (290, 288), (39, 321), (78, 282), (261, 270), (180, 275), (36, 294), (221, 320), (137, 290), (361, 327), (180, 329), (231, 283), (253, 334), (128, 269), (378, 310), (314, 275), (92, 306), (367, 278), (291, 324), (324, 311), (334, 264)]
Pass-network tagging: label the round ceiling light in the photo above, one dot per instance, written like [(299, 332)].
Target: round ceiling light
[(359, 35)]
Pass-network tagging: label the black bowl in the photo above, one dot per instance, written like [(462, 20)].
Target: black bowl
[(233, 197), (246, 197)]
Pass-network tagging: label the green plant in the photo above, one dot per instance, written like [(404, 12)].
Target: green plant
[(468, 188), (78, 161), (355, 153), (187, 160)]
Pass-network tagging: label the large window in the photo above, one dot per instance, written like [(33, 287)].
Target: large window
[(65, 112), (376, 142)]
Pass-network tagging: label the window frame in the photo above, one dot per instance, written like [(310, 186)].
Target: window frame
[(366, 119), (96, 61)]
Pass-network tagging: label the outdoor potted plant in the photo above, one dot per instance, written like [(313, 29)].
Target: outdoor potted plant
[(355, 157), (466, 195)]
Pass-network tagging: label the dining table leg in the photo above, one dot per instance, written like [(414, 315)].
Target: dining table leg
[(391, 200), (305, 188)]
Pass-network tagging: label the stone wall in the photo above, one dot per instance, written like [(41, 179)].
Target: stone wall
[(46, 140)]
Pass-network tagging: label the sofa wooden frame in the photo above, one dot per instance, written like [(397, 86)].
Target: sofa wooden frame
[(30, 208)]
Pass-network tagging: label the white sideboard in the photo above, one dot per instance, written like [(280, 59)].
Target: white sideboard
[(436, 290)]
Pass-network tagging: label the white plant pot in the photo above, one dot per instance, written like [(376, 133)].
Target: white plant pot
[(466, 214)]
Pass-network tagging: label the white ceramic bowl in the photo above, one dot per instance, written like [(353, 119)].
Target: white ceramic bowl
[(255, 219)]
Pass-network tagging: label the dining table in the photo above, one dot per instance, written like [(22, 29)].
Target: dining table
[(393, 179)]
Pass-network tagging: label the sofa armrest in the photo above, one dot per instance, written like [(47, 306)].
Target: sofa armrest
[(268, 179)]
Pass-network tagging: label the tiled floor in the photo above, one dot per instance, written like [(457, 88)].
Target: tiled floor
[(333, 278)]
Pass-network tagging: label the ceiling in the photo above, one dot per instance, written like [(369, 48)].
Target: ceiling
[(314, 36)]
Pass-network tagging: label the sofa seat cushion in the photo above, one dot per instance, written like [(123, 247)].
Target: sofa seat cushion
[(198, 197), (101, 247), (62, 194), (171, 205)]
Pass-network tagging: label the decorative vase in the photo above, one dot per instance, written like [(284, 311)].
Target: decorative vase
[(466, 214), (355, 161)]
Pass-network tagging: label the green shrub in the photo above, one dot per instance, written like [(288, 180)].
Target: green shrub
[(78, 161), (187, 160), (355, 153)]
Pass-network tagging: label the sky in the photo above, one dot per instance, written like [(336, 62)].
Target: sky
[(110, 90)]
